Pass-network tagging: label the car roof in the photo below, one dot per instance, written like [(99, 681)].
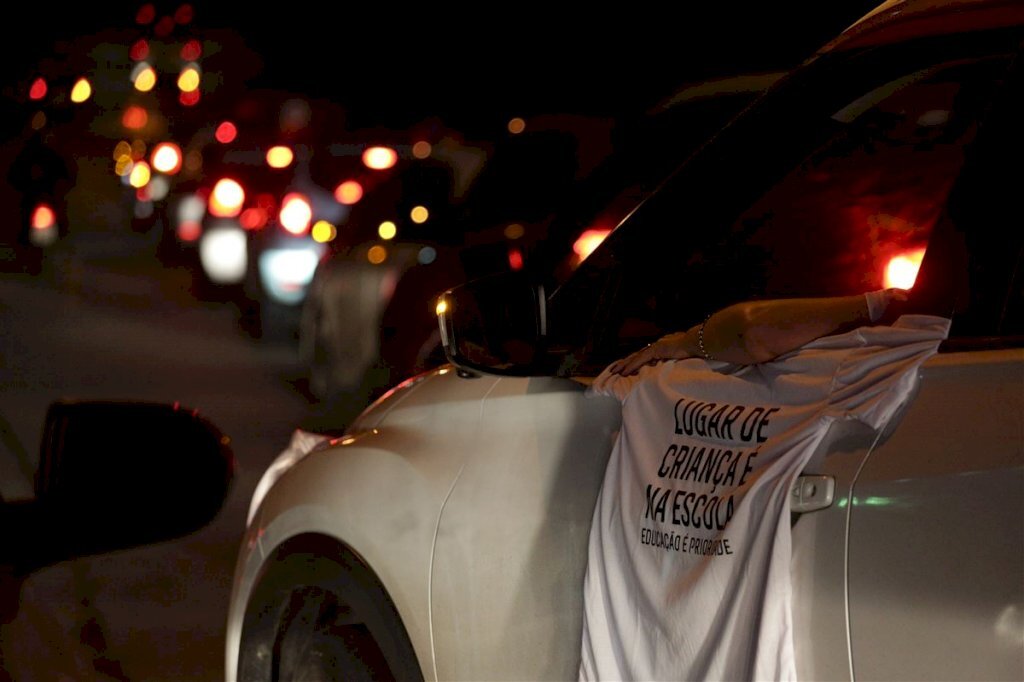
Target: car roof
[(899, 20)]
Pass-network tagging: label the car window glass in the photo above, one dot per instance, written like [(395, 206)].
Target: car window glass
[(865, 180)]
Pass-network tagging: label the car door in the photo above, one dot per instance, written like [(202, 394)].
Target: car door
[(936, 518), (510, 554), (840, 172)]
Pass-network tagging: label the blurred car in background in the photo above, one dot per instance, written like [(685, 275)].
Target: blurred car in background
[(42, 179), (444, 535), (544, 198), (402, 227)]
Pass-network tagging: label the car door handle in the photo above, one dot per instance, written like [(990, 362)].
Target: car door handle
[(812, 493)]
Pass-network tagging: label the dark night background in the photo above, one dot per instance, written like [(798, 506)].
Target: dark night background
[(390, 65)]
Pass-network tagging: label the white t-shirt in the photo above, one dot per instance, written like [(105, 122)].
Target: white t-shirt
[(688, 574)]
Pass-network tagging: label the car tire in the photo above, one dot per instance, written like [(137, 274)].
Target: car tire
[(324, 616)]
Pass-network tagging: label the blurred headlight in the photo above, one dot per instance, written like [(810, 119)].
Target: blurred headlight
[(287, 272), (222, 253)]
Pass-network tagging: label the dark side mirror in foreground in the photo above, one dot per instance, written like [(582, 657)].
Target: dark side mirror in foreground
[(114, 475), (495, 325)]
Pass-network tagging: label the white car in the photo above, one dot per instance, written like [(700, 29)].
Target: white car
[(444, 537)]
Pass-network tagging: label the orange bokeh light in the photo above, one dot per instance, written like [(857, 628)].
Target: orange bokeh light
[(588, 241), (166, 158), (348, 192), (901, 270), (43, 217), (135, 117), (380, 158), (226, 199), (296, 213)]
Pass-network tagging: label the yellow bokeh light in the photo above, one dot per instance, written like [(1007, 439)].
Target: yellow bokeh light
[(145, 79), (323, 232), (140, 174), (188, 79), (377, 254), (419, 214), (421, 149), (442, 307), (514, 231), (387, 230), (81, 91), (516, 125), (121, 149), (279, 156)]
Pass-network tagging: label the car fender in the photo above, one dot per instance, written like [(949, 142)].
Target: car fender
[(389, 481)]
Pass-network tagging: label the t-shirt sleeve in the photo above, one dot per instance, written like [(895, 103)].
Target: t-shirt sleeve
[(878, 375), (609, 384)]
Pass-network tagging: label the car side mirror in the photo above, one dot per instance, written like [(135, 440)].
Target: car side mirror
[(114, 475), (495, 325)]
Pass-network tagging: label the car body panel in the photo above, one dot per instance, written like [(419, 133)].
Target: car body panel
[(959, 452), (409, 461), (900, 20), (513, 582)]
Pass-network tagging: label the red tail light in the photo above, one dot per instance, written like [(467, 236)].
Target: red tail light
[(901, 270), (296, 213), (43, 217), (226, 199)]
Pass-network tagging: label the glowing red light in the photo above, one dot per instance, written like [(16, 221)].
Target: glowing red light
[(515, 259), (164, 27), (38, 89), (43, 217), (146, 14), (139, 50), (266, 201), (296, 213), (253, 218), (188, 99), (189, 230), (191, 50), (143, 194), (226, 132), (184, 13), (134, 117)]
